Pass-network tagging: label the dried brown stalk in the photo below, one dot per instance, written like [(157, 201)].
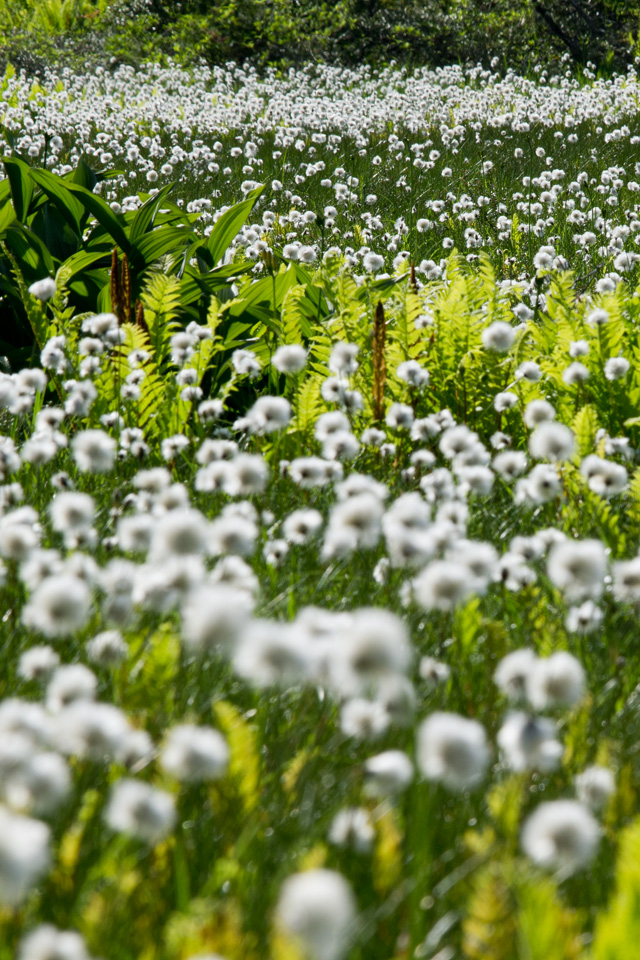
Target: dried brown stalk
[(140, 320), (379, 363), (124, 313)]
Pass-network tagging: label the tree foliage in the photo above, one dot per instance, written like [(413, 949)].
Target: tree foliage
[(516, 32)]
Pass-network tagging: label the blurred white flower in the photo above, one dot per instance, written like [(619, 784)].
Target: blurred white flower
[(578, 568), (529, 743), (290, 359), (595, 786), (318, 908), (194, 754), (442, 585), (94, 451), (498, 336), (616, 368), (556, 681), (352, 828), (552, 441), (585, 618), (453, 750), (561, 835), (59, 606), (24, 856), (43, 289), (140, 810)]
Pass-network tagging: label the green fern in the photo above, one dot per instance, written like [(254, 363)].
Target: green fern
[(489, 927), (547, 930), (617, 932), (161, 300), (308, 404), (292, 315), (585, 425)]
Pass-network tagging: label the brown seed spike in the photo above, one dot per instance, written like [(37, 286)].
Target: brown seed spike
[(379, 363), (115, 282), (125, 291), (412, 277), (140, 320)]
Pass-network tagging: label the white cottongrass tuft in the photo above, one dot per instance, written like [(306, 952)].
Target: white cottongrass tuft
[(107, 648), (352, 828), (443, 585), (194, 754), (578, 568), (71, 511), (38, 663), (268, 414), (498, 337), (412, 373), (59, 606), (140, 810), (372, 262), (364, 719), (561, 835), (585, 618), (43, 289), (388, 773), (552, 441), (576, 372), (213, 618), (513, 672), (271, 653), (595, 786), (46, 942), (93, 451), (616, 368), (342, 360), (318, 908), (556, 681), (301, 525), (452, 750), (537, 412), (375, 645), (290, 358), (529, 743), (24, 856)]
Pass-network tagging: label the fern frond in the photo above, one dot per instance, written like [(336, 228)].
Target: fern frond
[(161, 301)]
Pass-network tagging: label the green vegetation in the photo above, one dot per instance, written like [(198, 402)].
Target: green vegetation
[(319, 483)]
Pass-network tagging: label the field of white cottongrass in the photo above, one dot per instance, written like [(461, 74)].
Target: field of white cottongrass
[(319, 515)]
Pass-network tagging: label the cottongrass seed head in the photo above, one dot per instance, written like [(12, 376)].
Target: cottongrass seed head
[(452, 750), (318, 909), (561, 835)]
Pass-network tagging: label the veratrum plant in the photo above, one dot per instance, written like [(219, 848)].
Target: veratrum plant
[(53, 226)]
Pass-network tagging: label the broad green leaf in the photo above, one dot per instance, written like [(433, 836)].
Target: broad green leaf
[(103, 213), (145, 216), (154, 245), (21, 185), (28, 248), (57, 190), (7, 215), (228, 225), (79, 261)]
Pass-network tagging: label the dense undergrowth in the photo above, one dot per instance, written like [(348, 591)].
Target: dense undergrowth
[(513, 33)]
